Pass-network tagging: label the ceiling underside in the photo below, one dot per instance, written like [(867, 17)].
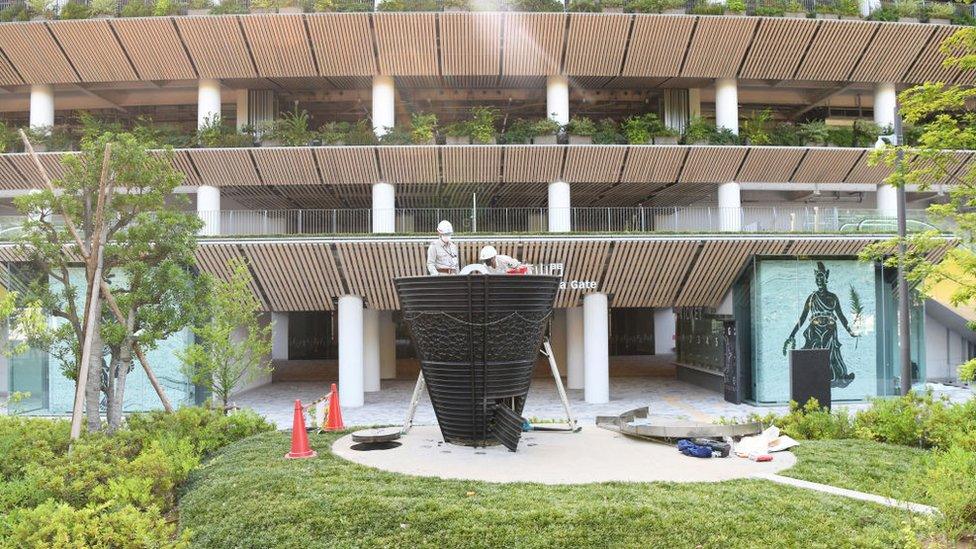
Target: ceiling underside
[(340, 50)]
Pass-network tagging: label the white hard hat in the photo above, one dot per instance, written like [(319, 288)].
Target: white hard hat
[(487, 252), (445, 227)]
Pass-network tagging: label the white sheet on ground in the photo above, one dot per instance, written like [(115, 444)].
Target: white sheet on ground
[(770, 440)]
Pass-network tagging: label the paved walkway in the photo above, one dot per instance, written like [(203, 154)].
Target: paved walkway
[(591, 455)]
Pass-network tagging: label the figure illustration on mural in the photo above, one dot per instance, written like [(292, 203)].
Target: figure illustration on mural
[(823, 308)]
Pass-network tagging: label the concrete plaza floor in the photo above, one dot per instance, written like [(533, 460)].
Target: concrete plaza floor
[(664, 396), (591, 455)]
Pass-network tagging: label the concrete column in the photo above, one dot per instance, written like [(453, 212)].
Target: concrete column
[(384, 208), (560, 208), (866, 7), (727, 104), (664, 328), (885, 112), (279, 336), (351, 375), (371, 350), (208, 208), (557, 99), (558, 339), (885, 105), (384, 106), (242, 115), (574, 348), (729, 207), (208, 101), (388, 368), (596, 347), (41, 106), (888, 201)]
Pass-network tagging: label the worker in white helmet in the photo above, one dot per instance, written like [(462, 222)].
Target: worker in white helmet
[(442, 254), (496, 262)]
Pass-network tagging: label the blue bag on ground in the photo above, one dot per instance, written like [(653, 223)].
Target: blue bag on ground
[(689, 448)]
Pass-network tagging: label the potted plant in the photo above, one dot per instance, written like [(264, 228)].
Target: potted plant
[(361, 133), (291, 130), (849, 9), (104, 8), (735, 7), (825, 10), (866, 133), (769, 11), (482, 125), (724, 136), (333, 133), (641, 128), (584, 6), (40, 9), (423, 128), (907, 10), (612, 6), (137, 8), (666, 136), (539, 5), (264, 6), (784, 134), (941, 13), (519, 132), (458, 133), (673, 7), (643, 6), (545, 131), (707, 8), (794, 9), (698, 131), (396, 136), (580, 130), (814, 133), (74, 10), (199, 7), (457, 5), (164, 8), (608, 133), (324, 5), (755, 130)]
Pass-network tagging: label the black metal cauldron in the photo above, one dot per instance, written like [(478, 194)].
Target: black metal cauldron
[(478, 337)]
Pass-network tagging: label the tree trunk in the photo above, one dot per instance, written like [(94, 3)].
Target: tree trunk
[(118, 399), (109, 389), (93, 388)]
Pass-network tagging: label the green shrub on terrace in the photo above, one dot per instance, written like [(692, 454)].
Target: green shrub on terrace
[(724, 136), (848, 8), (137, 8), (14, 12), (581, 126), (519, 132), (814, 132), (940, 10), (75, 10), (228, 7), (907, 8), (770, 11), (705, 8), (407, 5), (423, 128), (585, 6), (538, 5), (104, 7), (545, 126), (735, 7), (166, 7), (333, 133), (698, 131)]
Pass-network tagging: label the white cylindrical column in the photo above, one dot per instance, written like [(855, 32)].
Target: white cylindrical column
[(596, 347), (279, 336), (885, 105), (888, 201), (384, 208), (574, 348), (371, 350), (557, 99), (557, 338), (729, 207), (664, 328), (351, 375), (560, 208), (243, 116), (388, 368), (384, 106), (727, 104), (208, 208), (208, 101), (41, 106)]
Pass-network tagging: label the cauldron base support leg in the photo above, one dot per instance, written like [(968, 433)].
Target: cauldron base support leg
[(570, 419), (418, 390)]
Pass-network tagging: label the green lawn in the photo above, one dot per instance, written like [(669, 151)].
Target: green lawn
[(249, 496), (884, 469)]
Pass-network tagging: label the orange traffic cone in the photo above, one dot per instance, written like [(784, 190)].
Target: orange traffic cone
[(334, 421), (299, 436)]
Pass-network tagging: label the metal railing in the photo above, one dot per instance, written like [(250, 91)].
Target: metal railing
[(615, 220)]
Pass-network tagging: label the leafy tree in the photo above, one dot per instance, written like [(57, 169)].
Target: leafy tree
[(233, 347), (947, 122), (148, 248)]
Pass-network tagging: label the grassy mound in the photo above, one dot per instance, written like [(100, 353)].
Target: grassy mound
[(249, 496)]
